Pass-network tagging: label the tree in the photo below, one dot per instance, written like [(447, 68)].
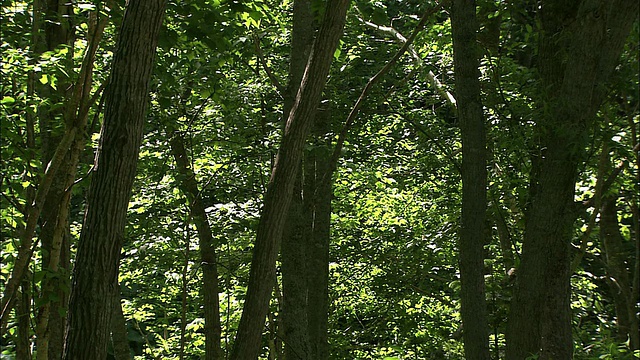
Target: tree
[(280, 188), (207, 249), (393, 282), (295, 289), (94, 287), (474, 180), (579, 47)]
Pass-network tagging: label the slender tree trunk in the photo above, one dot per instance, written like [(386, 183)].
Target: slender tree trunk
[(44, 37), (23, 315), (506, 246), (119, 332), (184, 290), (294, 280), (318, 204), (579, 48), (213, 328), (95, 273), (474, 180), (54, 235), (618, 269), (635, 217), (281, 184)]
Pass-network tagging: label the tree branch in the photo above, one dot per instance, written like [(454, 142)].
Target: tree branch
[(256, 42), (437, 85)]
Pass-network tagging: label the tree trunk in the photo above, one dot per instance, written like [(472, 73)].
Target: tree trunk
[(318, 205), (294, 280), (213, 328), (504, 236), (293, 261), (95, 272), (23, 314), (47, 33), (619, 272), (119, 332), (281, 184), (579, 48), (474, 180)]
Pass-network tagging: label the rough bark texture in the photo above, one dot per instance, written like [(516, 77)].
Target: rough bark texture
[(298, 228), (280, 188), (213, 329), (94, 284), (579, 46), (474, 180)]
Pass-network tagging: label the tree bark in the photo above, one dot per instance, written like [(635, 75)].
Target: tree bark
[(23, 313), (213, 328), (294, 280), (298, 228), (474, 180), (280, 188), (579, 47), (119, 332), (95, 272)]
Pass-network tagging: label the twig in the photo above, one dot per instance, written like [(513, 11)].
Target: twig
[(256, 42)]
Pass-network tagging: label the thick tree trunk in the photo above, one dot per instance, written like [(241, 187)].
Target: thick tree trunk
[(298, 229), (579, 47), (280, 188), (213, 328), (545, 264), (474, 180), (95, 272)]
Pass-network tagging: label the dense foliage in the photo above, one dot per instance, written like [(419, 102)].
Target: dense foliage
[(394, 280)]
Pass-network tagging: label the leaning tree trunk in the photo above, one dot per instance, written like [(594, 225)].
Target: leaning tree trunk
[(94, 286), (280, 188), (212, 326), (579, 47), (474, 180)]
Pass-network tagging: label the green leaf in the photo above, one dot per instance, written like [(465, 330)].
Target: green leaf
[(7, 100)]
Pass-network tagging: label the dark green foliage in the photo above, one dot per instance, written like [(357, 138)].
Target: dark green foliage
[(394, 284)]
